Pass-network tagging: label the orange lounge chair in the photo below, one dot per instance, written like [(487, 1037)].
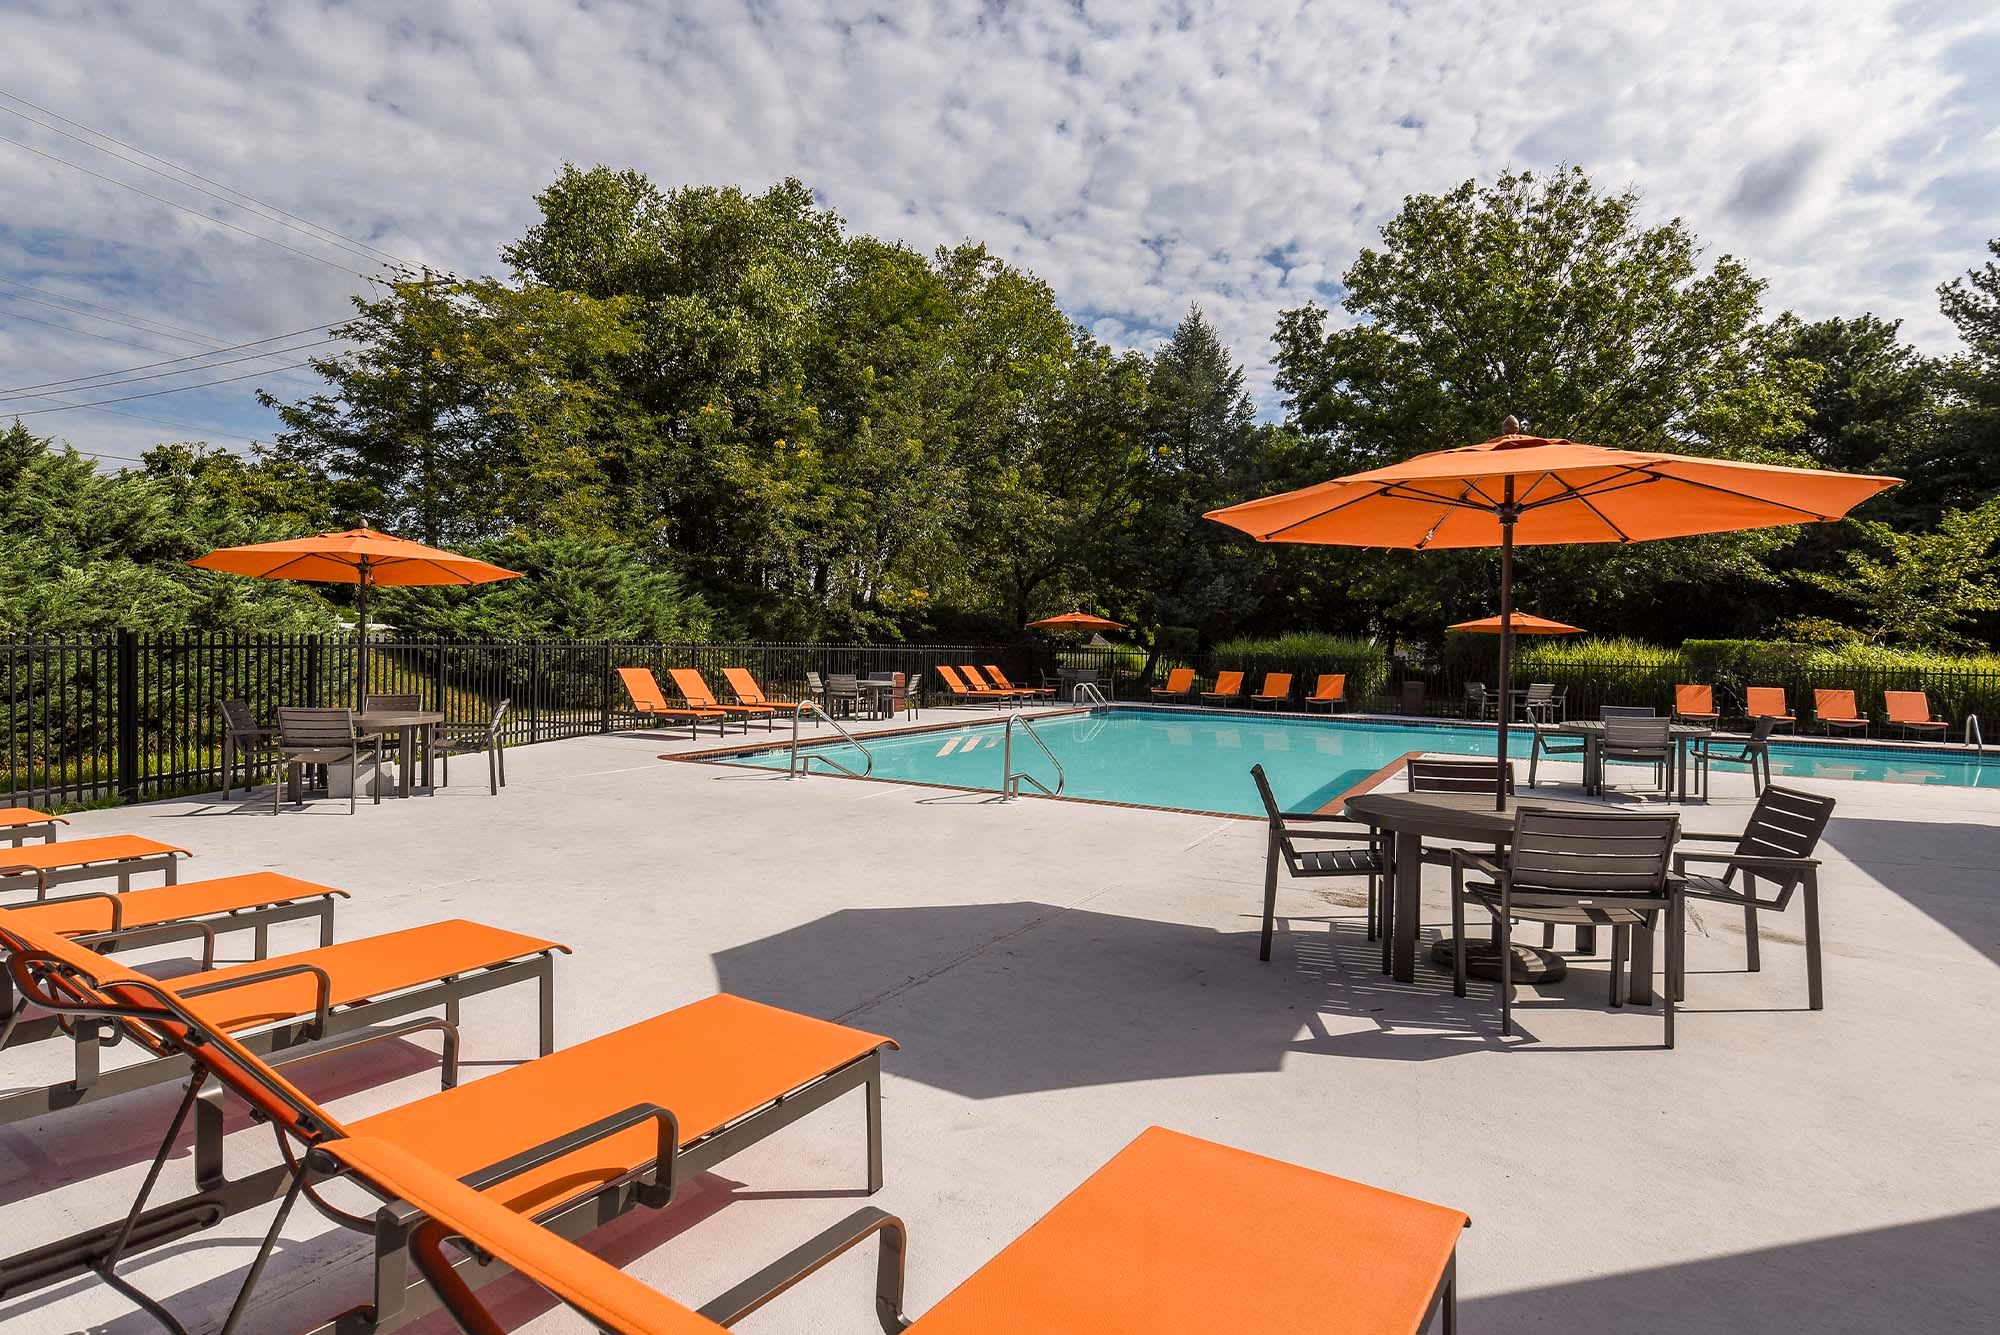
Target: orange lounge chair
[(121, 855), (1767, 702), (194, 910), (750, 693), (1911, 711), (1695, 704), (1180, 685), (1228, 686), (1331, 691), (979, 683), (572, 1138), (1000, 682), (955, 687), (1277, 690), (1269, 1247), (286, 1000), (648, 701), (694, 689), (20, 824), (1834, 710)]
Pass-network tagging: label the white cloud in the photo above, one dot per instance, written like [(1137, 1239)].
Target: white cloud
[(1139, 157)]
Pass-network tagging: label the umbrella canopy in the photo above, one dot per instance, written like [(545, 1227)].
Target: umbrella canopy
[(354, 556), (1076, 621), (1524, 623), (1518, 488)]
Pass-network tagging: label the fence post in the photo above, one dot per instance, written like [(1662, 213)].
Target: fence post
[(535, 691), (312, 669), (128, 716), (604, 687)]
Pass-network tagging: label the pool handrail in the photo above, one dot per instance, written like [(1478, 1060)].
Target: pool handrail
[(796, 767), (1010, 782)]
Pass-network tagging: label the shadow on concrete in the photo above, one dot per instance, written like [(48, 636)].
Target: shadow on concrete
[(1943, 870), (1934, 1276), (996, 999)]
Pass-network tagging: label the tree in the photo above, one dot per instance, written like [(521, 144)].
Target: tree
[(569, 587), (1875, 400), (1921, 589)]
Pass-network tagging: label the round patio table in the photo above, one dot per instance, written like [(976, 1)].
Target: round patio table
[(1467, 818), (408, 725)]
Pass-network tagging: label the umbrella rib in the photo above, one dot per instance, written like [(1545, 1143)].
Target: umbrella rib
[(1744, 495), (1321, 514), (278, 571)]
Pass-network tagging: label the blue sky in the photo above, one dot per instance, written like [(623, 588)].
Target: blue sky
[(1140, 157)]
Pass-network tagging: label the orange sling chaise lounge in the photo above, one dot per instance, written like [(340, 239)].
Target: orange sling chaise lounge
[(649, 701), (1228, 686), (1180, 685), (750, 693), (1911, 711), (979, 683), (280, 1003), (1768, 702), (1331, 690), (999, 679), (20, 824), (1174, 1236), (955, 686), (1695, 704), (1277, 690), (1834, 710), (191, 910), (694, 689), (572, 1138), (121, 855)]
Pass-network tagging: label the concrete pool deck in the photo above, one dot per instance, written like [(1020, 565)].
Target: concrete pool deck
[(1062, 975)]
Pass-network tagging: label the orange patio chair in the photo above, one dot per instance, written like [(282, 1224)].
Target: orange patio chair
[(750, 693), (1695, 704), (1911, 711), (1228, 686), (694, 689), (1000, 682), (573, 1138), (279, 1003), (1180, 685), (107, 855), (1834, 711), (955, 687), (648, 701), (1268, 1243), (20, 824), (1768, 702), (1277, 690), (1331, 691)]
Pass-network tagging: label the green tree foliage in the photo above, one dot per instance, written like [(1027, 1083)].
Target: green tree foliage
[(1920, 588)]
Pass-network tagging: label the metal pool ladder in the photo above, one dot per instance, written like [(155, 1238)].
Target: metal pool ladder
[(1973, 736), (1087, 691), (1012, 779), (798, 766)]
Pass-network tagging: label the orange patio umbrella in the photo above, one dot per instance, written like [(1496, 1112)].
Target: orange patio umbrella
[(359, 556), (1534, 490), (1524, 623), (1076, 621)]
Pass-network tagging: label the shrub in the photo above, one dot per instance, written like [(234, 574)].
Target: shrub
[(1304, 654)]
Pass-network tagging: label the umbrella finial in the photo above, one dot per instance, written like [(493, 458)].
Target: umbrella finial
[(1511, 426)]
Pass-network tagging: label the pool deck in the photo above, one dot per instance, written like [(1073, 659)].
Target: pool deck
[(1063, 974)]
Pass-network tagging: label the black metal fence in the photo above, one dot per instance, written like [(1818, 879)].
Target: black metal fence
[(126, 717)]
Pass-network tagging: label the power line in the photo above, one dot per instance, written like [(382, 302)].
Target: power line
[(191, 212), (192, 356), (153, 394), (114, 316), (309, 230), (185, 370), (87, 333), (189, 171)]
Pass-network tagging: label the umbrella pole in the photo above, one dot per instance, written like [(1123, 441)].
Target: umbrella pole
[(361, 640), (1508, 514)]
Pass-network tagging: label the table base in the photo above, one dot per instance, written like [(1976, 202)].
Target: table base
[(1532, 964)]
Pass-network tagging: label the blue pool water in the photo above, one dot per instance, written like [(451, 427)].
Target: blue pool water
[(1200, 760)]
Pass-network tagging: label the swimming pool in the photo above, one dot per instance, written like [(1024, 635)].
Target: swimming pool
[(1199, 760)]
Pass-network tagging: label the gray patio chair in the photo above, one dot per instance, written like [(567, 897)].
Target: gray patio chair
[(310, 737), (1546, 744), (1636, 740), (1539, 700), (843, 691), (244, 739), (1441, 774), (1289, 828), (1587, 869), (471, 738), (1627, 711), (1775, 848), (1754, 753), (1480, 702), (406, 702)]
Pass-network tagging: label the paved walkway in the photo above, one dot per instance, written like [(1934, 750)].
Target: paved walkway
[(1062, 975)]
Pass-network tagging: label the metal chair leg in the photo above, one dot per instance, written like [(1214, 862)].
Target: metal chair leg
[(1271, 855)]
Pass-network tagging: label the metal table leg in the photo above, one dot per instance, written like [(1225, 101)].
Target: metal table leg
[(1407, 911)]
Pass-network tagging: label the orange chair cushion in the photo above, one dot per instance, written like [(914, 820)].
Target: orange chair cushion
[(85, 852), (1180, 1236), (372, 966), (708, 1063), (174, 903)]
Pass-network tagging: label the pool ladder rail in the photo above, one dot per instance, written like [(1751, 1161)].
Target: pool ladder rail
[(803, 765), (1012, 779), (1087, 692), (1974, 737)]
